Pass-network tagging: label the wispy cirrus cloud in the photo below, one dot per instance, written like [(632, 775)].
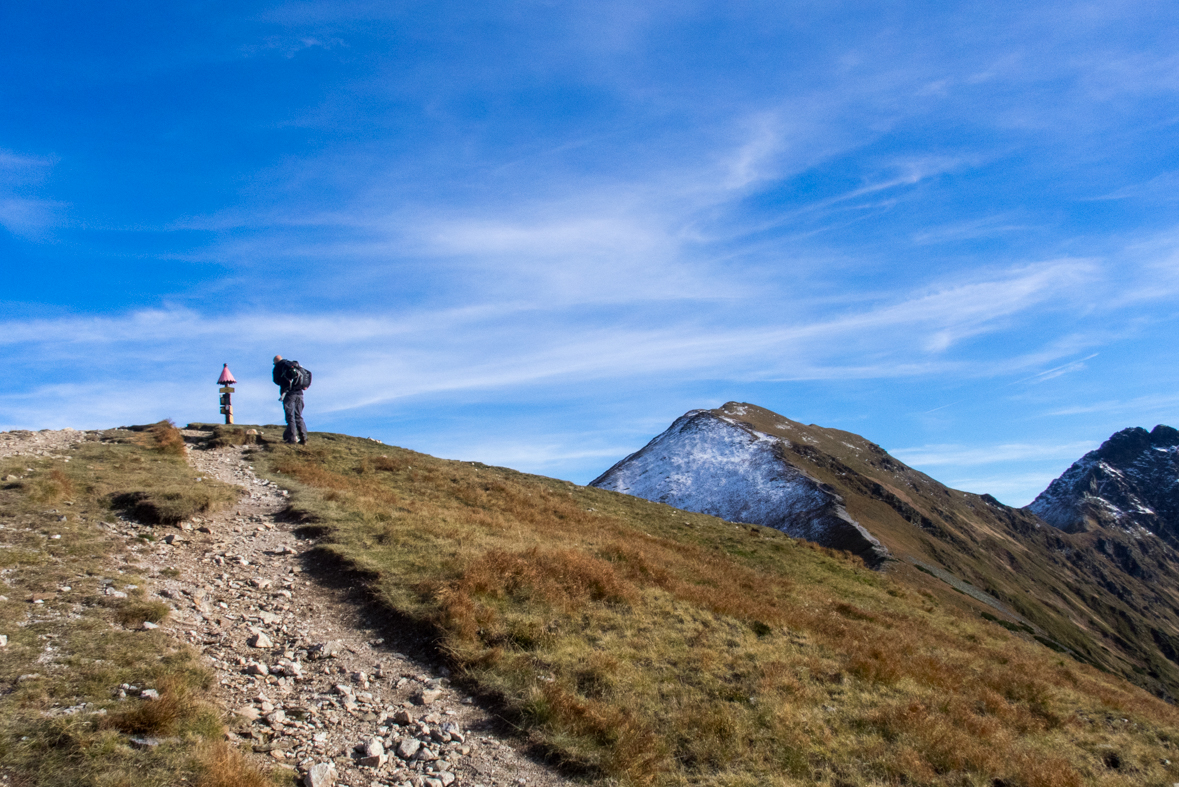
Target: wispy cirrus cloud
[(1159, 405), (24, 214), (974, 455), (1057, 371), (366, 360), (1012, 487)]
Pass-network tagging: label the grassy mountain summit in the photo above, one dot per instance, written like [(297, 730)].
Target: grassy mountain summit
[(648, 645)]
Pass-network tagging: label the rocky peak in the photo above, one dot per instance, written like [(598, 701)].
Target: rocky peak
[(1127, 446), (1130, 483), (710, 462)]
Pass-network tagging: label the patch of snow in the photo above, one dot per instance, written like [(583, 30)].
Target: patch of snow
[(713, 465)]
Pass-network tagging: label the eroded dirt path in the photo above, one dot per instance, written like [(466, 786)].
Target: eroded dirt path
[(312, 681)]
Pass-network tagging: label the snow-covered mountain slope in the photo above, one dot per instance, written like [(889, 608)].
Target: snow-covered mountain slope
[(714, 464), (1130, 484)]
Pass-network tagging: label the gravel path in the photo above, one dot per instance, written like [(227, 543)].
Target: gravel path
[(46, 444), (308, 681)]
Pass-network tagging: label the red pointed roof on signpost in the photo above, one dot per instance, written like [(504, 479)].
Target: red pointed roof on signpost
[(226, 377)]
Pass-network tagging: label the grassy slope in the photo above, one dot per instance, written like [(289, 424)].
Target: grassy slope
[(1071, 591), (654, 646), (61, 722)]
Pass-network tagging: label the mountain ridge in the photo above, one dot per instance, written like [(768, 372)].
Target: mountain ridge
[(706, 463), (1104, 596), (1130, 482)]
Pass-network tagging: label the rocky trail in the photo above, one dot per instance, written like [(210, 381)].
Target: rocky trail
[(310, 677)]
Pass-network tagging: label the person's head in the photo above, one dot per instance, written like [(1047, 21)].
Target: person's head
[(277, 358)]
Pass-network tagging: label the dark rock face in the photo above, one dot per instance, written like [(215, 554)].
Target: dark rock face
[(714, 464), (1129, 484)]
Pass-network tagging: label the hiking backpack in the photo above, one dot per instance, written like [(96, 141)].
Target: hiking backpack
[(297, 378)]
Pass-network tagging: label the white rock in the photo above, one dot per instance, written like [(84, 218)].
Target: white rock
[(248, 712), (374, 747), (408, 747), (374, 761), (291, 669), (320, 775), (428, 696), (260, 640), (327, 650)]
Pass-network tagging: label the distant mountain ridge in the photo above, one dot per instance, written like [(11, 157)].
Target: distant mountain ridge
[(1130, 483), (711, 463), (1098, 583)]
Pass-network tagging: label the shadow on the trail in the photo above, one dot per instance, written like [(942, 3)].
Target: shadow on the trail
[(421, 643)]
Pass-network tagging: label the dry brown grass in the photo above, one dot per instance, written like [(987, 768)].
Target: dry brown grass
[(222, 765), (50, 487), (134, 613), (671, 648), (177, 702), (227, 436), (76, 640), (162, 437)]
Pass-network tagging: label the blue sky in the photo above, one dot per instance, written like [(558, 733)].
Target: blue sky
[(534, 233)]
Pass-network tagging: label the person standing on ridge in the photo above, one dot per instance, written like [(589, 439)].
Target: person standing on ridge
[(292, 380)]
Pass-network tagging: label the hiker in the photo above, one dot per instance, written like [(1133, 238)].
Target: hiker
[(292, 380)]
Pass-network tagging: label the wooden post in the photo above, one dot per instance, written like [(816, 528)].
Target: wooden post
[(227, 403)]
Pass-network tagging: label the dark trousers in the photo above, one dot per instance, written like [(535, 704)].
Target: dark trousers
[(292, 407)]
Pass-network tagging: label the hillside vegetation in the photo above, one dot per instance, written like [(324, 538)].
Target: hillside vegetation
[(74, 611), (1110, 597), (647, 645)]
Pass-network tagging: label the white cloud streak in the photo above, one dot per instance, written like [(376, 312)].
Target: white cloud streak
[(363, 361), (974, 455)]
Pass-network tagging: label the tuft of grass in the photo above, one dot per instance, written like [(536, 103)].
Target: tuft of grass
[(655, 646), (228, 436), (134, 613), (177, 706), (163, 437), (221, 765), (170, 504)]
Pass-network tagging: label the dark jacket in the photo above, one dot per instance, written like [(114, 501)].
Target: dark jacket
[(282, 376)]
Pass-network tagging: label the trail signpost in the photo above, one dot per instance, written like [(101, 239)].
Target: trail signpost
[(226, 381)]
